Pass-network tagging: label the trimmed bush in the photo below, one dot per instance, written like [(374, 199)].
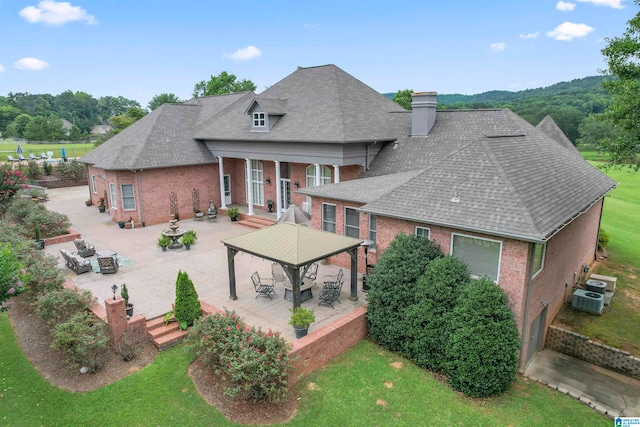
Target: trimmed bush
[(83, 339), (437, 294), (603, 239), (10, 274), (392, 288), (187, 307), (484, 341), (255, 362), (56, 307)]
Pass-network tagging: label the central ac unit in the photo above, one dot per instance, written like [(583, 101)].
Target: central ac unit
[(585, 300), (596, 286)]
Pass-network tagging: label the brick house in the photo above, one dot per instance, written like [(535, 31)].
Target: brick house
[(516, 201)]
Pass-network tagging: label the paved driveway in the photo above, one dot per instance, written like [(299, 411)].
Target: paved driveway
[(151, 278)]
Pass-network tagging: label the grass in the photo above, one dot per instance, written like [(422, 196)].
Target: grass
[(360, 387), (619, 325), (9, 147)]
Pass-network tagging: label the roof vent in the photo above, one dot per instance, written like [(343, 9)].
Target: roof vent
[(455, 198)]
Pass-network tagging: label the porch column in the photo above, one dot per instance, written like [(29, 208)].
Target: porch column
[(249, 187), (353, 253), (231, 253), (336, 173), (278, 192), (317, 175), (223, 204)]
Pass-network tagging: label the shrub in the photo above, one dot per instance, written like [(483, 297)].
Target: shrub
[(22, 207), (189, 237), (47, 168), (603, 239), (484, 341), (10, 274), (33, 170), (437, 294), (392, 288), (255, 362), (10, 182), (56, 307), (51, 223), (84, 341), (71, 170), (187, 307), (131, 343)]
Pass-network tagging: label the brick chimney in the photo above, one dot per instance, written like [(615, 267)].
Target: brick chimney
[(423, 112)]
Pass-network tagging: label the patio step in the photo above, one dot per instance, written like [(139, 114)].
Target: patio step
[(255, 221), (165, 336)]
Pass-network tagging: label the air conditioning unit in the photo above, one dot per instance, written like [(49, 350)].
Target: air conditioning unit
[(596, 286), (585, 300)]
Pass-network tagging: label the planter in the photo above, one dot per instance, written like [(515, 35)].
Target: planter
[(164, 248), (121, 224), (129, 310), (234, 218), (88, 202), (101, 209), (300, 331), (187, 247), (39, 243)]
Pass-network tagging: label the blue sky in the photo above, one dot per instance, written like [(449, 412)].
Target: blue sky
[(138, 49)]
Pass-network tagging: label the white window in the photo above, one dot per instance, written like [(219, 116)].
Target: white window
[(422, 232), (329, 217), (258, 120), (128, 199), (481, 255), (372, 231), (257, 183), (93, 184), (539, 251), (113, 196), (351, 223), (325, 177)]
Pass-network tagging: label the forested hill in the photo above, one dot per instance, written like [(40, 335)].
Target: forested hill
[(568, 103)]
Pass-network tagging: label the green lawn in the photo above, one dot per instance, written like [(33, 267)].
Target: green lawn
[(359, 388), (8, 146)]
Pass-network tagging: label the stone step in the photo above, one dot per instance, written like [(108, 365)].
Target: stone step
[(165, 341), (256, 221), (163, 330), (157, 322)]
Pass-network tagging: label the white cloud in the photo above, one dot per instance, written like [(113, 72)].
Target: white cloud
[(311, 25), (246, 53), (615, 4), (56, 13), (497, 47), (530, 35), (2, 68), (565, 7), (31, 64), (568, 31)]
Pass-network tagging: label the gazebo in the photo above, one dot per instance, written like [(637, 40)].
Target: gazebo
[(295, 247)]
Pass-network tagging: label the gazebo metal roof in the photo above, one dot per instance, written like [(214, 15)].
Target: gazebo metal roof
[(293, 246)]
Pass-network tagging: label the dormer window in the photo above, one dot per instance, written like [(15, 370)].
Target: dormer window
[(259, 120)]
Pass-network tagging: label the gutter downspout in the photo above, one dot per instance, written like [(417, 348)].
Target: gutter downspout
[(595, 252), (525, 318), (140, 197)]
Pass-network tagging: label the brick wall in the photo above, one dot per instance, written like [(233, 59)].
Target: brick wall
[(319, 347), (61, 183), (73, 234), (582, 347)]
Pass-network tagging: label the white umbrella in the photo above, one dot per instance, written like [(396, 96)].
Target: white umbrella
[(295, 215)]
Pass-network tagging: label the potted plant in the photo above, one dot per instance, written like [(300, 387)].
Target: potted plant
[(300, 319), (88, 202), (124, 293), (163, 242), (121, 224), (38, 240), (233, 213), (102, 206), (270, 205), (188, 239), (195, 199)]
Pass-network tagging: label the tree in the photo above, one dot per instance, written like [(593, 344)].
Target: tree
[(7, 115), (163, 98), (187, 306), (221, 84), (622, 55), (403, 98), (593, 131), (19, 124), (42, 128), (123, 121), (109, 106)]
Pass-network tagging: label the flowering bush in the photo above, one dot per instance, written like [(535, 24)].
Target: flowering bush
[(256, 362), (9, 186), (31, 215), (58, 306), (11, 274), (83, 339)]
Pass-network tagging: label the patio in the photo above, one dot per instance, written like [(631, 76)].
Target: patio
[(152, 274)]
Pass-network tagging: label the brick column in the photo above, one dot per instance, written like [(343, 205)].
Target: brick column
[(116, 318)]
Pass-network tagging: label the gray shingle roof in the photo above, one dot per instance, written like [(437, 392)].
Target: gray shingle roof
[(162, 138), (276, 107), (549, 126), (324, 104), (511, 179)]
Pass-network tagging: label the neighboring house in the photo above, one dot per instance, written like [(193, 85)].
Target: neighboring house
[(67, 126), (101, 129), (517, 202)]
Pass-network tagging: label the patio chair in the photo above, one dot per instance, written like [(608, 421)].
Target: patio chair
[(44, 156), (277, 274), (312, 272), (12, 159), (331, 292), (85, 249), (21, 158), (262, 289), (76, 263), (212, 212), (108, 264), (32, 157)]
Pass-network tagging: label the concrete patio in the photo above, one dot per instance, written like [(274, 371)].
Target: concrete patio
[(151, 278)]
